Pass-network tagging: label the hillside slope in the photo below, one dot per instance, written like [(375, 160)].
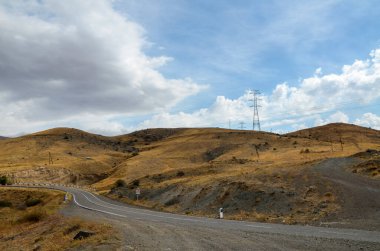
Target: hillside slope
[(253, 175), (62, 155)]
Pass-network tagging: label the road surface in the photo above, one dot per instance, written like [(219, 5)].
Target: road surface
[(358, 195), (151, 230)]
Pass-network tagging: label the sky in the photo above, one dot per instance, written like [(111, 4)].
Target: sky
[(113, 67)]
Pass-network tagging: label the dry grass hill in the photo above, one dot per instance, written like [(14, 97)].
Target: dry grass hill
[(30, 220), (253, 175)]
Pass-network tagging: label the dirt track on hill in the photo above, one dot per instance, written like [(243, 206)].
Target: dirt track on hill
[(359, 195)]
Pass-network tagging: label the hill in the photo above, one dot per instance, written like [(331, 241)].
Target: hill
[(253, 175), (1, 137), (62, 155), (339, 133)]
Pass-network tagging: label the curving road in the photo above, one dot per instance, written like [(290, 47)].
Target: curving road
[(147, 230)]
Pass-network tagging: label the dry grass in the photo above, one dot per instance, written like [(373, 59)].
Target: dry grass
[(208, 157), (40, 227), (78, 157), (220, 158)]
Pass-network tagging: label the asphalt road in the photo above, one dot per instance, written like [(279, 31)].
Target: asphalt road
[(239, 231)]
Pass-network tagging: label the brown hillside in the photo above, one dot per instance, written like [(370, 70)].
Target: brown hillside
[(339, 131), (256, 175), (77, 156), (253, 175)]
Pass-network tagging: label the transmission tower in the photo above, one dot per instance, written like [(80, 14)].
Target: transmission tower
[(255, 105)]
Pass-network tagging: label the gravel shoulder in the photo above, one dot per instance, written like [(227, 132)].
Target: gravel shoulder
[(139, 234), (359, 195)]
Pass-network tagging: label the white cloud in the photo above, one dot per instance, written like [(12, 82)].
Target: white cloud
[(292, 106), (66, 58), (369, 120), (318, 71), (218, 114), (81, 64), (338, 117)]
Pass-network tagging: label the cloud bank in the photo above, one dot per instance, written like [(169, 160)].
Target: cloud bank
[(82, 64), (65, 59)]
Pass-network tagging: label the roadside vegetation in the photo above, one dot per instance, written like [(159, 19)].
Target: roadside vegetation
[(30, 220)]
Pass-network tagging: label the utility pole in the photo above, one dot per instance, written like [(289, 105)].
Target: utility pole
[(255, 105)]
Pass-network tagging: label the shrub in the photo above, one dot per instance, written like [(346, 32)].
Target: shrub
[(4, 203), (34, 216), (120, 183), (3, 180), (136, 183), (305, 150), (32, 202), (135, 154), (180, 173)]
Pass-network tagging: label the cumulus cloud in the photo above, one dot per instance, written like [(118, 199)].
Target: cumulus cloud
[(65, 58), (82, 64), (293, 106), (220, 113), (338, 117), (369, 120)]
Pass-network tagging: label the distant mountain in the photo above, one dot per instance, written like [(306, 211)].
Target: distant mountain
[(1, 137)]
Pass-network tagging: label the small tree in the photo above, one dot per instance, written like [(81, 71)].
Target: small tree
[(3, 180)]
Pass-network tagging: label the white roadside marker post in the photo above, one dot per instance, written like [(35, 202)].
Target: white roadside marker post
[(137, 193), (66, 197), (221, 211)]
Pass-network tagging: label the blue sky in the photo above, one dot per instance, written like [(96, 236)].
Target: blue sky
[(174, 63), (241, 45), (238, 45)]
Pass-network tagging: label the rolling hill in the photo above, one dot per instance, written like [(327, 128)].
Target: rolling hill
[(253, 175)]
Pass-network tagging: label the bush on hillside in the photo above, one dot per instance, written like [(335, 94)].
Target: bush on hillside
[(120, 183), (136, 183), (5, 203), (4, 180), (34, 216), (32, 202)]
